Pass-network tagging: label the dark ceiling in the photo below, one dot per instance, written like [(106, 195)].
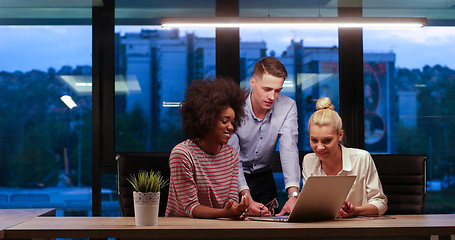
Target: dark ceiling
[(438, 12)]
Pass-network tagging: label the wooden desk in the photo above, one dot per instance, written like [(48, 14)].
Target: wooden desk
[(11, 217), (187, 228)]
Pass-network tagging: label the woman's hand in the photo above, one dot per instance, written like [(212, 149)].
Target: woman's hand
[(346, 210), (238, 211)]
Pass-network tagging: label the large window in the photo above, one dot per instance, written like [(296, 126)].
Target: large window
[(46, 148), (409, 106)]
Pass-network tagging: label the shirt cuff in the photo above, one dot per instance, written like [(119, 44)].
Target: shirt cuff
[(292, 184), (245, 187), (190, 213), (382, 208)]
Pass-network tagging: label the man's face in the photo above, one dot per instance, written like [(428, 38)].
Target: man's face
[(265, 91)]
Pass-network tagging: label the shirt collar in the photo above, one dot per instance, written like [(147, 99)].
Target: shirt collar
[(346, 159)]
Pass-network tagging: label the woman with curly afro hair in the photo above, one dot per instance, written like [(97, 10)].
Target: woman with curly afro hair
[(204, 168)]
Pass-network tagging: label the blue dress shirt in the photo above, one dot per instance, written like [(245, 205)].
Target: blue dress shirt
[(257, 138)]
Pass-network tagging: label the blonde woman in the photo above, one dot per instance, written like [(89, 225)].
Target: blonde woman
[(330, 157)]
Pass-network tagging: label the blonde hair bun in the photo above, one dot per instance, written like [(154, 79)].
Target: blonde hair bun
[(324, 103)]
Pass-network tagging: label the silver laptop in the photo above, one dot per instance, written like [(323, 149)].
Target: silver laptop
[(320, 199)]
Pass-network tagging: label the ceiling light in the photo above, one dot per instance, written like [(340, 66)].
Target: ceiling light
[(292, 22), (68, 101), (171, 104)]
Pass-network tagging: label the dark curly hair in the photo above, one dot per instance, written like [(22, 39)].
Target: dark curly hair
[(204, 101)]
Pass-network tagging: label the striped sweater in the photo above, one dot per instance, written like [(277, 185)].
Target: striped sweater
[(198, 178)]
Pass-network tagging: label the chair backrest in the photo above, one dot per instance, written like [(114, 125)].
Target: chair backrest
[(403, 178), (131, 163)]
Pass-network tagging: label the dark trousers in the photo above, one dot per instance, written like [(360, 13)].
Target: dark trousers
[(262, 186)]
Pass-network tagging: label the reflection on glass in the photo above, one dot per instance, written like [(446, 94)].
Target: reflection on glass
[(408, 102), (153, 68), (374, 128), (377, 69)]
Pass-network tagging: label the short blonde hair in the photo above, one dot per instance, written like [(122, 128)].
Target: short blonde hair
[(325, 115)]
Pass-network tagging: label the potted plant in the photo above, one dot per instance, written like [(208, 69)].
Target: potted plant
[(147, 186)]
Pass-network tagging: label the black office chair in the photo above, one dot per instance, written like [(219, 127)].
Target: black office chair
[(403, 178), (131, 163)]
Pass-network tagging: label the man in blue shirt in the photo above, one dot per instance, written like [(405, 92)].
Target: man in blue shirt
[(271, 118)]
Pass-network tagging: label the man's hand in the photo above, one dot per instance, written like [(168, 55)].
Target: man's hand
[(288, 206), (290, 203), (258, 209), (255, 208)]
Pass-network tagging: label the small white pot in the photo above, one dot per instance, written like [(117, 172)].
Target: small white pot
[(146, 207)]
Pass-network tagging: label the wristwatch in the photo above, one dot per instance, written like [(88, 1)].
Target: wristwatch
[(293, 194)]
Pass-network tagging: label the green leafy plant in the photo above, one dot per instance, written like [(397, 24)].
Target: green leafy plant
[(145, 181)]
